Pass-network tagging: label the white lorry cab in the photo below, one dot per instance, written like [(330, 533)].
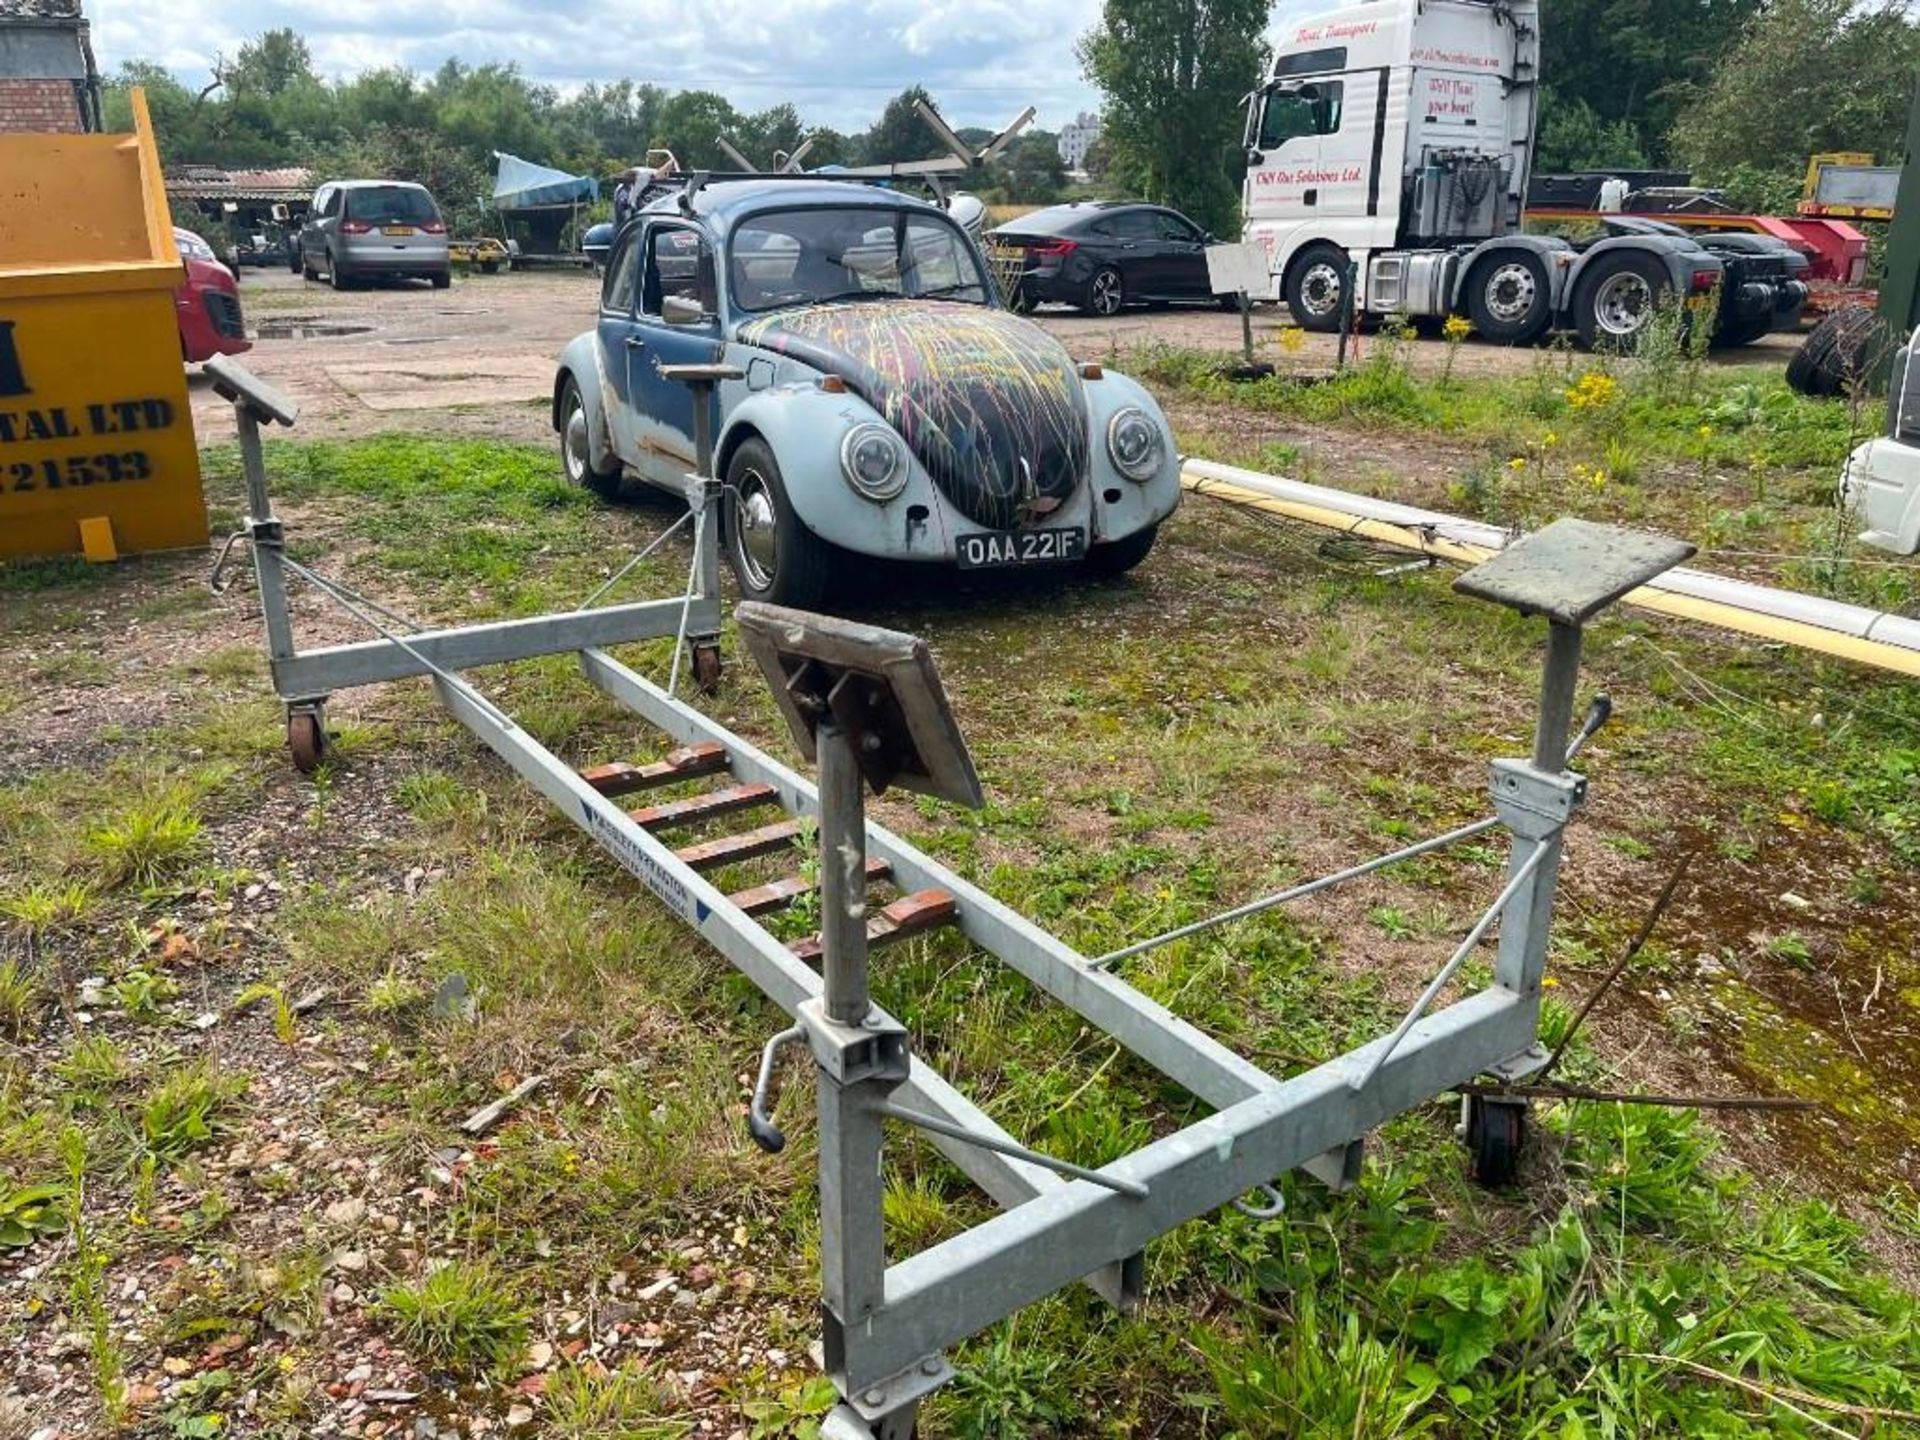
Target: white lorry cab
[(1390, 146)]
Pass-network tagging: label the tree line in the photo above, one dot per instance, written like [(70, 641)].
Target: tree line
[(266, 106), (1739, 92)]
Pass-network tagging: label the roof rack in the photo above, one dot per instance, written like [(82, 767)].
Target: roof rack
[(961, 160)]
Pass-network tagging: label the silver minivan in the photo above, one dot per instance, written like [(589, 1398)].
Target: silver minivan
[(358, 229)]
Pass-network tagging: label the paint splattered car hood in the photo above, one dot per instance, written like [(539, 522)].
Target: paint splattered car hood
[(989, 403)]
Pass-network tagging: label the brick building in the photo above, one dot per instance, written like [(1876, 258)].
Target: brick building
[(47, 76)]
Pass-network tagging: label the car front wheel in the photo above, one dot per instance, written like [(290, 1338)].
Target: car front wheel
[(1117, 557), (773, 554)]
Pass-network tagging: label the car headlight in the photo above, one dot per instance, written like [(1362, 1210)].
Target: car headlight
[(1136, 445), (194, 248), (874, 466)]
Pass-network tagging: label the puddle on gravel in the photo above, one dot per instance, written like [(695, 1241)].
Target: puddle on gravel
[(1794, 970), (297, 329)]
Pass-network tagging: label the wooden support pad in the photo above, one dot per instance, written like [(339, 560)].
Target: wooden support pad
[(689, 763), (703, 807), (778, 894), (731, 849), (913, 915)]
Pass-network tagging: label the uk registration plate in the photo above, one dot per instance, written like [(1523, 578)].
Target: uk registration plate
[(1003, 549), (399, 230)]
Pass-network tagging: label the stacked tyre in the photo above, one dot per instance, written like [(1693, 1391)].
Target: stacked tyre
[(1843, 351)]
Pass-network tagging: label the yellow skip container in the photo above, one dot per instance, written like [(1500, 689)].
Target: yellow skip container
[(96, 433)]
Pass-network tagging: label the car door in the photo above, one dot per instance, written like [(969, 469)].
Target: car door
[(312, 241), (619, 339), (1183, 256), (1142, 252), (676, 262)]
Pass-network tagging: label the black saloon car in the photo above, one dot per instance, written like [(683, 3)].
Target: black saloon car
[(1105, 255)]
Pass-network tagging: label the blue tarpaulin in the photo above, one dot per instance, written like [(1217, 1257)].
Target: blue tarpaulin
[(522, 185)]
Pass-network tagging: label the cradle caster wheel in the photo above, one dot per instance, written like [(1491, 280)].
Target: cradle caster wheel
[(307, 737), (706, 668), (1496, 1133)]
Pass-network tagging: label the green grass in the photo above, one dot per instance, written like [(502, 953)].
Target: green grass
[(21, 996), (1249, 710), (147, 841), (461, 1317), (187, 1109)]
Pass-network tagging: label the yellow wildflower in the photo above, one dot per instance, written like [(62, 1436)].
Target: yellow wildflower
[(1518, 462), (1592, 391), (1457, 328), (1292, 338)]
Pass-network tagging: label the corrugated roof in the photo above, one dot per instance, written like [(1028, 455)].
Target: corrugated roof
[(203, 182), (39, 9)]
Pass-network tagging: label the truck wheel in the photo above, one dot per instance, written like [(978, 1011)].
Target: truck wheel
[(1317, 286), (1617, 298), (1732, 334), (1838, 352), (773, 554), (576, 446), (1508, 298)]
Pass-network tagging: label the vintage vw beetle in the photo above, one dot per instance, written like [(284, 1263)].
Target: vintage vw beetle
[(890, 406)]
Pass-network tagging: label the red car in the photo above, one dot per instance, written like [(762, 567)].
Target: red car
[(208, 304)]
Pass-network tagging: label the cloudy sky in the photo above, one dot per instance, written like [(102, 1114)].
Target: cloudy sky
[(837, 60)]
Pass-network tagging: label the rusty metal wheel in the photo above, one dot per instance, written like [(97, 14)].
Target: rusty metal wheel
[(307, 739), (706, 668)]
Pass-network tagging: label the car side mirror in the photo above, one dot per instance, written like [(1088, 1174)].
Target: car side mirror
[(683, 310)]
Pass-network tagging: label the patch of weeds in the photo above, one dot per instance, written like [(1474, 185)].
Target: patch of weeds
[(794, 1414), (147, 841), (1014, 1385), (144, 994), (1630, 846), (87, 1283), (192, 1411), (623, 1404), (462, 1317), (1322, 1378), (25, 577), (394, 994), (1791, 947), (21, 998), (31, 1213), (95, 1066), (186, 1108), (1396, 922), (286, 1024)]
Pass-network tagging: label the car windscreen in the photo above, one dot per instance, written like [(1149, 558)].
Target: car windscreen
[(390, 205), (813, 257)]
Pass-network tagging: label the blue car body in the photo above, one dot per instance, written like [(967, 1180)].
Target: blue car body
[(1004, 451)]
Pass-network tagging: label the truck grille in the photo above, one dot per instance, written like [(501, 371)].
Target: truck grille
[(224, 311)]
